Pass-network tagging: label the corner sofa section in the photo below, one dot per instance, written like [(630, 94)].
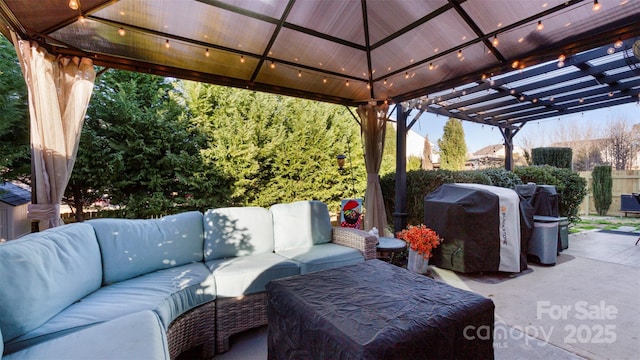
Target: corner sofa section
[(185, 280)]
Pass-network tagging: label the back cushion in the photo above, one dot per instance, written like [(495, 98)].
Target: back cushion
[(237, 231), (300, 224), (43, 273), (135, 247)]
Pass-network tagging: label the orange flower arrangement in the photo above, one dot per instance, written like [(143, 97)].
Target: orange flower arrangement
[(421, 239)]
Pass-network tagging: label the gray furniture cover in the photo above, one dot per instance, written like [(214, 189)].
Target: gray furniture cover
[(375, 310)]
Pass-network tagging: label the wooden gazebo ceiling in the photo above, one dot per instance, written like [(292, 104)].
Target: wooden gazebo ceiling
[(352, 51)]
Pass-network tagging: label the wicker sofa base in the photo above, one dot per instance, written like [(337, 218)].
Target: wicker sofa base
[(194, 328), (234, 315)]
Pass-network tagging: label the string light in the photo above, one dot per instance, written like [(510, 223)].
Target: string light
[(74, 4), (562, 57), (596, 5), (166, 44), (495, 40), (347, 83), (540, 25), (242, 59), (430, 66), (206, 53), (515, 64), (459, 53), (324, 80), (618, 43), (273, 65), (385, 81), (406, 75), (484, 77), (299, 73), (122, 32)]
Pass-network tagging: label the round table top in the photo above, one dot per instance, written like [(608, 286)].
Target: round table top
[(389, 244)]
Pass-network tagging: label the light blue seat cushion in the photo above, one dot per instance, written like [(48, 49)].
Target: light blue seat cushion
[(168, 292), (300, 224), (249, 274), (323, 256), (237, 231), (135, 247), (136, 336), (43, 273)]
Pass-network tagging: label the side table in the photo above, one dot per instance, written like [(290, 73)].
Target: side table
[(388, 247)]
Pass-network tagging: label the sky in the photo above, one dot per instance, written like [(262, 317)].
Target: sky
[(538, 133)]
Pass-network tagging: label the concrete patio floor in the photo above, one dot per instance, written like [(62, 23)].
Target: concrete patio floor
[(587, 306)]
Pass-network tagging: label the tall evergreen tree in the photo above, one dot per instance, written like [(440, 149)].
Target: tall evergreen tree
[(276, 148), (15, 156), (139, 148), (453, 148)]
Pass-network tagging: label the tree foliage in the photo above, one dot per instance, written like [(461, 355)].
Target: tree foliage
[(140, 149), (453, 148), (621, 144), (15, 157), (276, 148)]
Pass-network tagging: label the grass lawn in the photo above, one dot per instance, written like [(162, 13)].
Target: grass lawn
[(593, 222)]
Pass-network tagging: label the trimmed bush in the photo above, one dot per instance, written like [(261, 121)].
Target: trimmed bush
[(502, 177), (570, 186), (419, 184), (554, 156), (601, 187)]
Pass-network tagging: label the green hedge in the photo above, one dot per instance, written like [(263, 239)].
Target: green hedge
[(502, 177), (419, 184), (554, 156), (570, 186)]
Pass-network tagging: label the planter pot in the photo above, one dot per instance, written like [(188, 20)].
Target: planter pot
[(417, 263)]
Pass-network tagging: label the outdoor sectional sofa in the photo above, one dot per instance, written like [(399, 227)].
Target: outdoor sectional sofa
[(118, 288)]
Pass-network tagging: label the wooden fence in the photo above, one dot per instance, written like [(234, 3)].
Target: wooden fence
[(623, 182)]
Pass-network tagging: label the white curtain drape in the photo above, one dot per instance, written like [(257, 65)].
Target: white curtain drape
[(59, 91), (373, 120)]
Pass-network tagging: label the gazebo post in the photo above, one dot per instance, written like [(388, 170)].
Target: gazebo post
[(400, 213), (508, 149)]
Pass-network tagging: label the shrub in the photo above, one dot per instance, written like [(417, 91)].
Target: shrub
[(502, 177), (419, 184), (554, 156), (570, 186), (601, 186)]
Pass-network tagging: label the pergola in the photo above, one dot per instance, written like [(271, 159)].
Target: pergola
[(500, 62)]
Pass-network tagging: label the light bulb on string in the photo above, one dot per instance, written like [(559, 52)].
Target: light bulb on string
[(618, 43), (540, 25), (596, 5)]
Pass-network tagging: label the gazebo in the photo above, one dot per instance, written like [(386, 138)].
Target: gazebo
[(502, 63)]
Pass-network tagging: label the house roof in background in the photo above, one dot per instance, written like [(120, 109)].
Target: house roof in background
[(14, 195), (350, 52)]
